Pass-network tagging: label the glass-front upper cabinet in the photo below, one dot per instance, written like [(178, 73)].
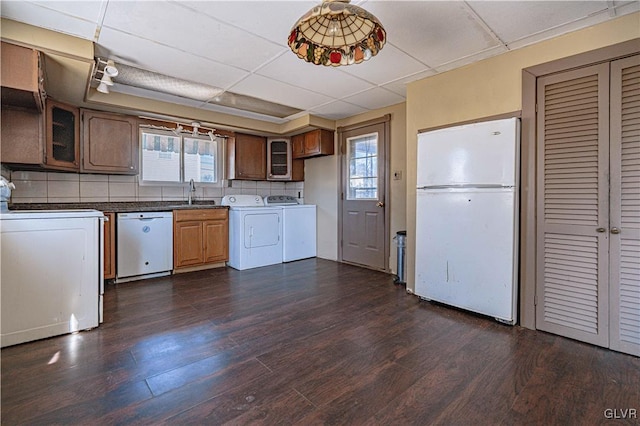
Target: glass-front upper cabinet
[(63, 130), (278, 159)]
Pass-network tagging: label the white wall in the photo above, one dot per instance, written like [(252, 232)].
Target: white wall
[(321, 176)]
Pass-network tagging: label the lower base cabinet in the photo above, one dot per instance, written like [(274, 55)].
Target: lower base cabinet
[(200, 237)]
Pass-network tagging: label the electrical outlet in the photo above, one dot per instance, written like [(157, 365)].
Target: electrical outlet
[(397, 175)]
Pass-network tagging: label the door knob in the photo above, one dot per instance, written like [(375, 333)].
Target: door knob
[(600, 229), (380, 204), (615, 230)]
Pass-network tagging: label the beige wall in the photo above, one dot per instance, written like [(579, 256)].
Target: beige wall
[(322, 186), (487, 88)]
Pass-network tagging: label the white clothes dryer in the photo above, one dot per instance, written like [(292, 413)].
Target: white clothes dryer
[(299, 228), (255, 232)]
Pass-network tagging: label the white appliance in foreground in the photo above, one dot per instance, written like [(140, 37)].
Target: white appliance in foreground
[(255, 232), (144, 245), (51, 273), (298, 227), (467, 217)]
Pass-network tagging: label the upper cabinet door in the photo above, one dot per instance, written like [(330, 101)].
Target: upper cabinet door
[(247, 157), (62, 149), (278, 159), (313, 144), (110, 143), (22, 77)]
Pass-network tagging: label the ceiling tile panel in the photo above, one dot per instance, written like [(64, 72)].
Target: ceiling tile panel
[(269, 19), (338, 109), (155, 57), (434, 32), (187, 30), (288, 68), (89, 10), (400, 86), (375, 98), (512, 21), (278, 92), (388, 65), (49, 18)]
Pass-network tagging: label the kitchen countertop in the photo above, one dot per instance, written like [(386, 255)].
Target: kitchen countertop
[(121, 206)]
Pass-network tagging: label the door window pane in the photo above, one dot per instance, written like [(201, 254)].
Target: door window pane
[(363, 167)]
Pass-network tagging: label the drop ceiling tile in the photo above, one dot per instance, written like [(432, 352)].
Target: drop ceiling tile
[(388, 65), (493, 51), (51, 19), (288, 68), (596, 18), (512, 21), (337, 110), (375, 98), (155, 57), (400, 86), (184, 29), (272, 20), (434, 32), (278, 92), (89, 10)]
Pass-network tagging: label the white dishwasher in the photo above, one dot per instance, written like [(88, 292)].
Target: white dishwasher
[(144, 245)]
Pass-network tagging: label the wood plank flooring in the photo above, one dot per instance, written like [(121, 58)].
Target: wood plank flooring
[(308, 342)]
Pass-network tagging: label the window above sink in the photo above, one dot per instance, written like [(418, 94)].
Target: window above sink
[(170, 157)]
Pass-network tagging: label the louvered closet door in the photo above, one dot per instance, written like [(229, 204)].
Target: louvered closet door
[(625, 206), (572, 216)]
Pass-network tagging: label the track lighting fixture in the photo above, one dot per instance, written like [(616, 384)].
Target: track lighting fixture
[(107, 70)]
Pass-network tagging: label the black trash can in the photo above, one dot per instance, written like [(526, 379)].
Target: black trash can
[(401, 240)]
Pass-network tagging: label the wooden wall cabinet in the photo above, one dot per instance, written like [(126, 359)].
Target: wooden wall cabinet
[(109, 143), (22, 137), (247, 157), (109, 246), (22, 77), (315, 143), (200, 237), (63, 135), (41, 141), (279, 159)]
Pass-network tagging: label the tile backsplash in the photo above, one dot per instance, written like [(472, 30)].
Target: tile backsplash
[(53, 187)]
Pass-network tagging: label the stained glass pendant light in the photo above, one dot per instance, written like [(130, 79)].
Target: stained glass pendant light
[(337, 33)]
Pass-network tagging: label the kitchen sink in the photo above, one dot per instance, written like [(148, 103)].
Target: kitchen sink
[(194, 205)]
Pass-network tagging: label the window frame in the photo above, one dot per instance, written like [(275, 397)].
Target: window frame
[(218, 141), (376, 137)]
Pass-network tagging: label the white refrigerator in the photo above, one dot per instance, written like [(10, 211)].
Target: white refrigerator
[(467, 217)]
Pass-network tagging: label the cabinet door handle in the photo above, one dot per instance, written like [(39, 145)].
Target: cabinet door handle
[(615, 230), (600, 229)]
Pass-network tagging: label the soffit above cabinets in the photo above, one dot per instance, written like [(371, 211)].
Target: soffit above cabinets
[(241, 46)]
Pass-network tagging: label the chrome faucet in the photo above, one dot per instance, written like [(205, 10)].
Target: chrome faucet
[(192, 190)]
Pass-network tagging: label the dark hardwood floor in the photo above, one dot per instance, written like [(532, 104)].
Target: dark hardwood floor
[(309, 342)]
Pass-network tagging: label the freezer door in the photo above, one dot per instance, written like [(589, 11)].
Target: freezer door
[(475, 154), (465, 250)]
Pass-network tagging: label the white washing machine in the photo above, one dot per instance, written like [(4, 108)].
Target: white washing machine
[(255, 232), (299, 228)]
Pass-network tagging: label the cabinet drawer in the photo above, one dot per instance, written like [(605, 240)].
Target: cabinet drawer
[(199, 214)]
